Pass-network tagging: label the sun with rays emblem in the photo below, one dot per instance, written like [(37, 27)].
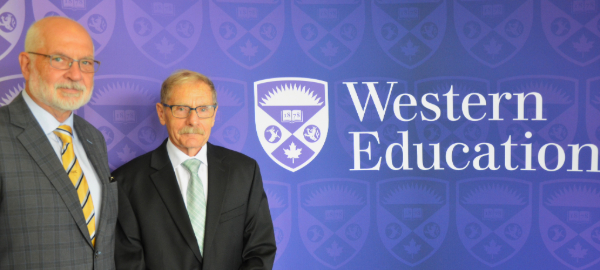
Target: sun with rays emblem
[(226, 97), (291, 95), (334, 195), (550, 92), (579, 196), (412, 194), (274, 200), (122, 93), (493, 194), (12, 94)]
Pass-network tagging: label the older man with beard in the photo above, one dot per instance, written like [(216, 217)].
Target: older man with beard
[(58, 207)]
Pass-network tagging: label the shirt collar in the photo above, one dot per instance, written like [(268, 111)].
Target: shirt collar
[(43, 117), (177, 156)]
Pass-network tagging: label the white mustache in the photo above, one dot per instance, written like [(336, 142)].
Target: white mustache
[(71, 85), (191, 130)]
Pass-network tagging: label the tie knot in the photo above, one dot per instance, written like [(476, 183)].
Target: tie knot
[(192, 165), (65, 133)]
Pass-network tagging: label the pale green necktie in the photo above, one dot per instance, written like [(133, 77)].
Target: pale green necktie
[(196, 201)]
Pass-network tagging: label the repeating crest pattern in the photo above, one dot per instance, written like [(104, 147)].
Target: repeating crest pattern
[(593, 110), (231, 121), (10, 87), (280, 204), (12, 20)]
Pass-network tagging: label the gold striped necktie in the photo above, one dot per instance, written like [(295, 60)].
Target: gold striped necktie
[(71, 165)]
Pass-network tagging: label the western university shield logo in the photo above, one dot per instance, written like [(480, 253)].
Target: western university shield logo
[(164, 31), (593, 110), (97, 16), (493, 217), (560, 105), (493, 31), (292, 119), (10, 87), (412, 217), (248, 31), (280, 204), (570, 221), (573, 29), (123, 108), (12, 19), (231, 121), (333, 218), (348, 119), (447, 132), (409, 31), (329, 31)]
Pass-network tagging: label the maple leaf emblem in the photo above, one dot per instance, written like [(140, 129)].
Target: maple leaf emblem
[(578, 252), (409, 49), (127, 154), (335, 250), (329, 50), (164, 47), (493, 48), (412, 248), (293, 153), (583, 45), (249, 50), (492, 248)]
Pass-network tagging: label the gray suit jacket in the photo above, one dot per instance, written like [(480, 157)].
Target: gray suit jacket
[(41, 222)]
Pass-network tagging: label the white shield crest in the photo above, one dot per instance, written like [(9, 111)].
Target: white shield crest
[(231, 121), (165, 31), (12, 20), (570, 221), (412, 217), (347, 119), (123, 108), (444, 131), (493, 32), (10, 87), (560, 107), (280, 204), (573, 29), (409, 31), (292, 119), (493, 217), (329, 31), (333, 218), (97, 16), (593, 110), (248, 31)]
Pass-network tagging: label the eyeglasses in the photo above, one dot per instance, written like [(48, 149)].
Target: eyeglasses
[(182, 111), (64, 62)]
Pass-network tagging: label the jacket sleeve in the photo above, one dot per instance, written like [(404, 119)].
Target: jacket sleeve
[(259, 237), (129, 252)]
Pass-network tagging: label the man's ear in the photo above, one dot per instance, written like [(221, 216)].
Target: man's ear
[(160, 110), (25, 63)]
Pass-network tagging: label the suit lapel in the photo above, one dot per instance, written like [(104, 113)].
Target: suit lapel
[(166, 184), (36, 143), (217, 185)]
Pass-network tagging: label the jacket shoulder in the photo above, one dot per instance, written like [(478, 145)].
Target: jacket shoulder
[(231, 156)]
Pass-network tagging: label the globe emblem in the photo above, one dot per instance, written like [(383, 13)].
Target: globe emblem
[(393, 231), (514, 28), (390, 132), (473, 230), (108, 134), (146, 135), (231, 134), (429, 30), (185, 28), (348, 32), (557, 233), (315, 233), (272, 134), (309, 32), (431, 230), (312, 133), (389, 31), (513, 231), (516, 132), (96, 23), (268, 31), (227, 30), (558, 132), (278, 235), (8, 22), (432, 132), (596, 235), (142, 26), (353, 231), (472, 29), (560, 26), (472, 132)]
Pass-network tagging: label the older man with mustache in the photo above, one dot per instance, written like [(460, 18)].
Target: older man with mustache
[(58, 207), (190, 204)]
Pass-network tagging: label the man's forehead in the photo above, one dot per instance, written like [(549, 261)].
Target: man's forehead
[(191, 90)]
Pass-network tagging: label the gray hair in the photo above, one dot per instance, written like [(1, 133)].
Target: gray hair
[(181, 77)]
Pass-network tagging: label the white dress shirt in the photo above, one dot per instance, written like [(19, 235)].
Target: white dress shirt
[(177, 157), (49, 124)]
